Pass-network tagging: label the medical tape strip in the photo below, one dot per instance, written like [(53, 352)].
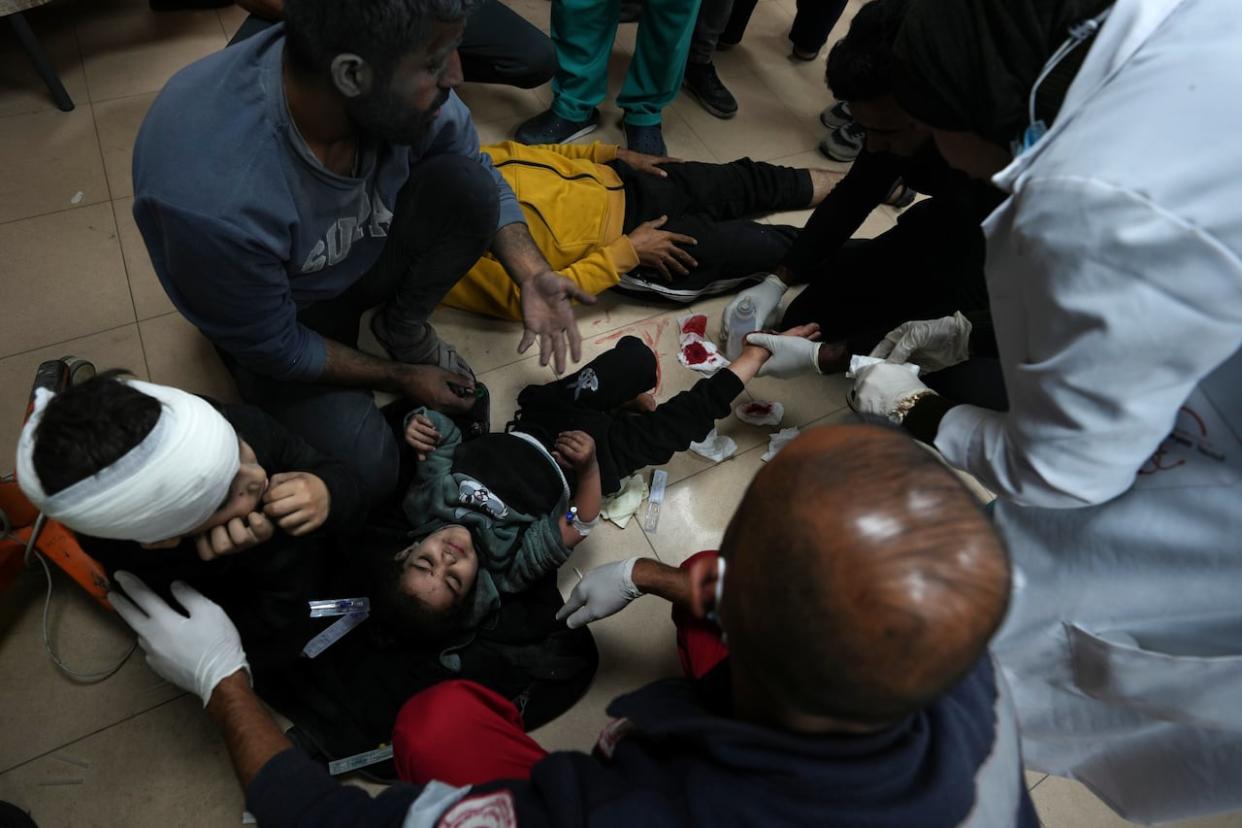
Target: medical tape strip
[(328, 607), (659, 480), (359, 760), (333, 633)]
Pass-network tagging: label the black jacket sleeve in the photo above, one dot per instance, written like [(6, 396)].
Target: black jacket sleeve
[(652, 438), (842, 212), (291, 790), (280, 450)]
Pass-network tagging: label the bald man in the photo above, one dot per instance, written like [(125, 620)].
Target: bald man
[(856, 587)]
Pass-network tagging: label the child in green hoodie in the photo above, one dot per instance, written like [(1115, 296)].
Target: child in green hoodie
[(497, 513)]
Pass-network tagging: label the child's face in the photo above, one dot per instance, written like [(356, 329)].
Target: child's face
[(441, 569)]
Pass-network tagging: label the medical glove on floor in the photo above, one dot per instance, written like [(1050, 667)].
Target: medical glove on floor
[(603, 591), (194, 652), (766, 297), (792, 356), (932, 344)]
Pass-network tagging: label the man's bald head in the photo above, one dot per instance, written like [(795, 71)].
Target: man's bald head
[(863, 578)]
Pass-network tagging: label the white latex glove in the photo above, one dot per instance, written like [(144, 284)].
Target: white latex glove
[(196, 652), (932, 344), (881, 388), (766, 297), (602, 592), (792, 356)]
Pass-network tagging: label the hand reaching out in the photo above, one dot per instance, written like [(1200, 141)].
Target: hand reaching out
[(548, 315)]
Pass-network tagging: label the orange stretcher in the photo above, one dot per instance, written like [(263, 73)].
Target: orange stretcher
[(57, 544)]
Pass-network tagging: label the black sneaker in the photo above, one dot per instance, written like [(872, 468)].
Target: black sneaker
[(631, 11), (704, 86), (844, 143), (648, 140), (550, 128)]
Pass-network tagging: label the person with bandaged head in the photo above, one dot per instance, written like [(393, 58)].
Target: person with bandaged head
[(168, 485), (837, 674), (1114, 271)]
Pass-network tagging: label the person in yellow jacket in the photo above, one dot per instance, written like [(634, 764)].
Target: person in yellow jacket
[(605, 216)]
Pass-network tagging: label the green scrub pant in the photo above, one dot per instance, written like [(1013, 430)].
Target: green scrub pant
[(583, 31)]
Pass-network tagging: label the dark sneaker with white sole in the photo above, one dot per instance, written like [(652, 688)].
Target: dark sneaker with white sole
[(705, 86), (550, 128), (649, 140), (844, 143), (837, 115)]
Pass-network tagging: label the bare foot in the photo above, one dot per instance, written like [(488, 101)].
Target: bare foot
[(642, 403)]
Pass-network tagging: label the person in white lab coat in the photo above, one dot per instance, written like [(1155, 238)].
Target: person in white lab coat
[(1115, 275)]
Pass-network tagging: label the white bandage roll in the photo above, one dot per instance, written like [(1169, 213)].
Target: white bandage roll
[(168, 484)]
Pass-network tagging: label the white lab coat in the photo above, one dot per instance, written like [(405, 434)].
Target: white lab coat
[(1115, 275)]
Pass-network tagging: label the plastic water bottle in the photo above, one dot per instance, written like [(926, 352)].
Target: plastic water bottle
[(742, 321)]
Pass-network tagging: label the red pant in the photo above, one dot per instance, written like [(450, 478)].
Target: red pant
[(461, 733)]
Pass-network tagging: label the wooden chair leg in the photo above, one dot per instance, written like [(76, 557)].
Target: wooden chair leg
[(41, 63)]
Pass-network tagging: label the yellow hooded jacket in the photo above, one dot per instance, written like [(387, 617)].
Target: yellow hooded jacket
[(575, 207)]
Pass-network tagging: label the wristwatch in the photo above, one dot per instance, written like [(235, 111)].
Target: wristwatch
[(584, 527)]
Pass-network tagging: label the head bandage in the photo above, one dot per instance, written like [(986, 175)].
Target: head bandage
[(163, 487)]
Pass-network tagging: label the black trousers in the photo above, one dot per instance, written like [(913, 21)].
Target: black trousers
[(588, 400), (498, 46), (812, 23), (929, 265), (444, 219), (711, 202)]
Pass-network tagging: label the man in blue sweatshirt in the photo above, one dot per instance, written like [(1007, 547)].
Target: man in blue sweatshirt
[(836, 651), (288, 183)]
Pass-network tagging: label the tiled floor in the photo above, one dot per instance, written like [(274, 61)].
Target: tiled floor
[(74, 278)]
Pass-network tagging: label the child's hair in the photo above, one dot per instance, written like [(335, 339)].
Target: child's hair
[(89, 427), (406, 617)]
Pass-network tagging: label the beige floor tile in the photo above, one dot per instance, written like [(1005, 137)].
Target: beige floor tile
[(636, 646), (65, 273), (1064, 803), (231, 18), (49, 161), (44, 709), (494, 132), (491, 102), (613, 311), (21, 88), (117, 348), (166, 767), (149, 296), (118, 122), (763, 129), (131, 50), (180, 356), (537, 12), (483, 342), (696, 511), (806, 398), (1033, 778)]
